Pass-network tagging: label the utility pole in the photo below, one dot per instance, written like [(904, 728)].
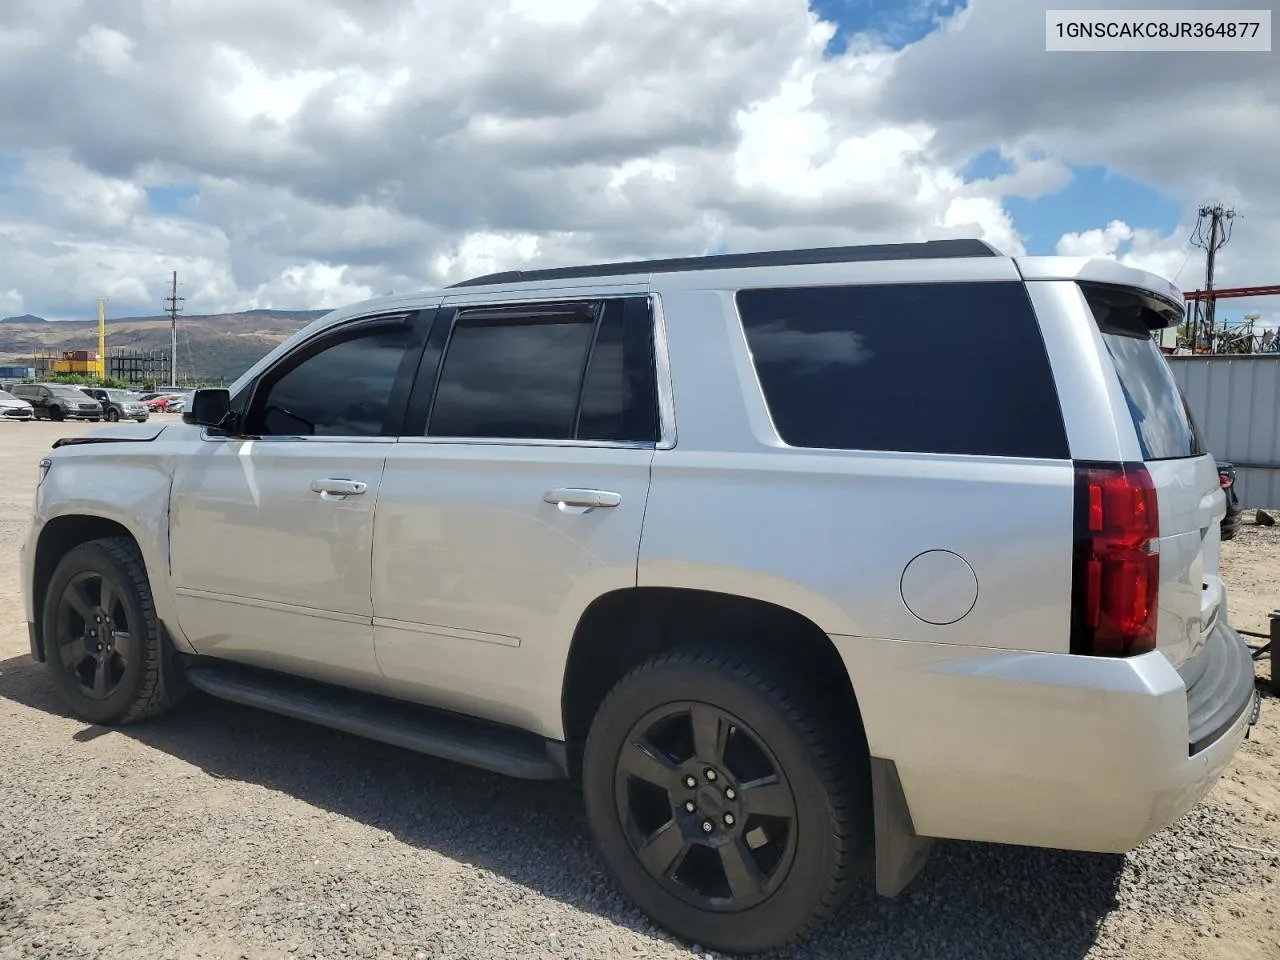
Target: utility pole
[(173, 302), (1220, 218)]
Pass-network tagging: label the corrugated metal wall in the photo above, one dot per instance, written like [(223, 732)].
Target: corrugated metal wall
[(1236, 399)]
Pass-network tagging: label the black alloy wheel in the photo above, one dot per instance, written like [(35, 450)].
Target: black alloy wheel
[(92, 635), (104, 646), (706, 807), (729, 801)]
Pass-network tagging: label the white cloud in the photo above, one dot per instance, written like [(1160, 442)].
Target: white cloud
[(10, 303), (110, 49), (1096, 243), (342, 148)]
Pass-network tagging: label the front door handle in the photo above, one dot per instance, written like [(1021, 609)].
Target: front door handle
[(569, 497), (338, 489)]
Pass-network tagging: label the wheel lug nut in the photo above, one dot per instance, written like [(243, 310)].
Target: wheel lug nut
[(707, 826), (711, 775), (690, 782), (690, 806), (728, 820), (730, 793)]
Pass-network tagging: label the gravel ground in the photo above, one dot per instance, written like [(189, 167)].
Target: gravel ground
[(224, 832)]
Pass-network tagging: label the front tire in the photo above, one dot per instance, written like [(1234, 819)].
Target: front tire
[(722, 803), (112, 416), (104, 646), (56, 415)]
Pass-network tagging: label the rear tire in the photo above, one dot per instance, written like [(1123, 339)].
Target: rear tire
[(776, 827), (104, 646)]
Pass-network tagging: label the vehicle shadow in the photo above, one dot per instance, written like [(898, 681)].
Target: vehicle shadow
[(970, 900)]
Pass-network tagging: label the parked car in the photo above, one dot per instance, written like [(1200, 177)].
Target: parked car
[(14, 408), (58, 401), (625, 523), (1231, 521), (118, 404), (159, 402)]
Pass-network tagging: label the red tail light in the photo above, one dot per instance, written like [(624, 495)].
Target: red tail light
[(1225, 480), (1116, 576)]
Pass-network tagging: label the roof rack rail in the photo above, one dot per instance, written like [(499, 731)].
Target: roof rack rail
[(929, 250)]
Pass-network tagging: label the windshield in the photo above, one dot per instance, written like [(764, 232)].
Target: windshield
[(69, 393), (122, 396)]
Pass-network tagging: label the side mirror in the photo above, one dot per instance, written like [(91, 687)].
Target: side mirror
[(209, 407)]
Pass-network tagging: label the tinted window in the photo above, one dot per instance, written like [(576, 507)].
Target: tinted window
[(1164, 424), (957, 368), (619, 397), (343, 390), (509, 378), (70, 393)]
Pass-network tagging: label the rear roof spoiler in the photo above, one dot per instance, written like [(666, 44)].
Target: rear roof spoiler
[(1104, 272)]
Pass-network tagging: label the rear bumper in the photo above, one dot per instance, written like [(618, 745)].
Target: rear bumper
[(1219, 683), (1047, 750)]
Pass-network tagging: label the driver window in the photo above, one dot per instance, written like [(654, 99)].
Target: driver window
[(344, 390)]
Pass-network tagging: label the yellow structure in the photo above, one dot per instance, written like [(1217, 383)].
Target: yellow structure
[(102, 337)]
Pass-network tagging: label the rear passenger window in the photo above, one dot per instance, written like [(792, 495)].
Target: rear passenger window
[(953, 368), (619, 396), (584, 372)]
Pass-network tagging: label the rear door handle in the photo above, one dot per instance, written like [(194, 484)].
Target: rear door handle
[(575, 497), (338, 489)]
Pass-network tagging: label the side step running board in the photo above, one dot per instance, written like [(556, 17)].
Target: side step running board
[(505, 750)]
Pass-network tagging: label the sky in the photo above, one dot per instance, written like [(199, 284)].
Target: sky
[(310, 153)]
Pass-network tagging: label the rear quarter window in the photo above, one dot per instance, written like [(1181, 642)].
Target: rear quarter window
[(947, 368)]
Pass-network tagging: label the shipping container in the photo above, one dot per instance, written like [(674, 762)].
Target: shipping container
[(18, 373), (75, 366)]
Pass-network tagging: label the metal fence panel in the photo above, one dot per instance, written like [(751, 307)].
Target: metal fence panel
[(1235, 399)]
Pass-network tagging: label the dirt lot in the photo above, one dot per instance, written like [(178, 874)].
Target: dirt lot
[(224, 832)]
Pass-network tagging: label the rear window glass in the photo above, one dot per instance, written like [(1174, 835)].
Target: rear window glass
[(952, 368), (1127, 320)]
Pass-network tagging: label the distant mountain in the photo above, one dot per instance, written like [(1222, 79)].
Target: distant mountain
[(216, 346), (25, 318)]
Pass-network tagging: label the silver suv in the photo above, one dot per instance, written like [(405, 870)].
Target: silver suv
[(796, 560), (118, 404)]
